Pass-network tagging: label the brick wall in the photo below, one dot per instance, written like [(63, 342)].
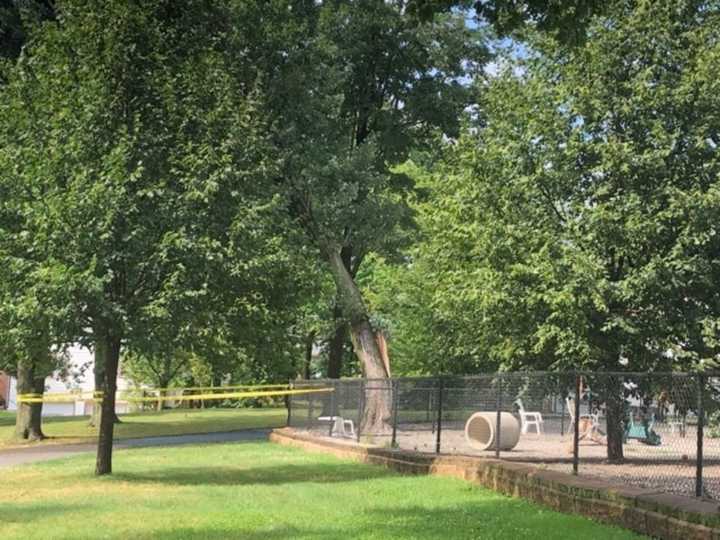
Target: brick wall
[(661, 515)]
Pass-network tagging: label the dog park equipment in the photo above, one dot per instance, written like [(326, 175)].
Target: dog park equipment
[(677, 423), (481, 427), (343, 427), (589, 424), (642, 432), (529, 419)]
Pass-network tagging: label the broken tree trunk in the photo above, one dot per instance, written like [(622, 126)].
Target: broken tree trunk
[(378, 395), (336, 347)]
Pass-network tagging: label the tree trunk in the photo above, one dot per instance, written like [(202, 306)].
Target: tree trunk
[(99, 374), (28, 421), (378, 397), (337, 345), (615, 415), (163, 383), (111, 348), (309, 342)]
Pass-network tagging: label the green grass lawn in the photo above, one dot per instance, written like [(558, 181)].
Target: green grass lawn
[(262, 491), (147, 424)]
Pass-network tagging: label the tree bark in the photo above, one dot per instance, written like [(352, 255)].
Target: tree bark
[(163, 382), (615, 415), (337, 345), (309, 342), (111, 348), (99, 374), (378, 397), (28, 421)]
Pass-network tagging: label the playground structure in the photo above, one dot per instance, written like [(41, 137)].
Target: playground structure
[(642, 432), (481, 431), (660, 433)]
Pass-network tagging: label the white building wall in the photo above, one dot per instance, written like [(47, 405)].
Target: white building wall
[(12, 398)]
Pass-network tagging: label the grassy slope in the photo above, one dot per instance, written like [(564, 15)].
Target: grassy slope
[(263, 491), (76, 429)]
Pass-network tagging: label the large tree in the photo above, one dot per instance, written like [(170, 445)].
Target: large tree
[(353, 86), (574, 226), (132, 149)]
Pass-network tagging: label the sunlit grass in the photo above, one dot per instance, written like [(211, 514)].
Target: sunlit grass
[(66, 429), (263, 491)]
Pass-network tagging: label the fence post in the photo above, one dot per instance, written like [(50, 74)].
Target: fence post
[(429, 408), (332, 409), (289, 404), (361, 409), (395, 387), (576, 426), (700, 436), (441, 382), (498, 407), (311, 403), (562, 407)]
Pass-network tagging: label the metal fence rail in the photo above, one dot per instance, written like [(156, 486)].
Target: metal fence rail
[(657, 430)]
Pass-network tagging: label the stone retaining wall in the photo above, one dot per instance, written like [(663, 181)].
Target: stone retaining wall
[(658, 514)]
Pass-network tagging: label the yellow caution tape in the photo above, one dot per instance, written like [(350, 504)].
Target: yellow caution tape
[(205, 388), (229, 395), (231, 387), (52, 398), (33, 398), (75, 396)]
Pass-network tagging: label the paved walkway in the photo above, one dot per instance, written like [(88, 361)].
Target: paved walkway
[(44, 452)]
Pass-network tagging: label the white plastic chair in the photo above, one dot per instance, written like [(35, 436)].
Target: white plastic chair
[(529, 419), (343, 427)]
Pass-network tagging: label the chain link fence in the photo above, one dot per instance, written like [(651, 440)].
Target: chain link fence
[(652, 430)]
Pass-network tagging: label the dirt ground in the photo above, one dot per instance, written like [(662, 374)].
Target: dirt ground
[(669, 467)]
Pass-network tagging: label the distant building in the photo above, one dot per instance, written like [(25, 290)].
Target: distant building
[(80, 379)]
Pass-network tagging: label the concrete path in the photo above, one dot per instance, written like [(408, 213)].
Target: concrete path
[(45, 452)]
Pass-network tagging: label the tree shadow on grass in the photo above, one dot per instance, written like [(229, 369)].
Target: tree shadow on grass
[(26, 512), (323, 473), (494, 518)]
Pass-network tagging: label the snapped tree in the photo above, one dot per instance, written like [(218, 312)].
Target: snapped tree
[(353, 86)]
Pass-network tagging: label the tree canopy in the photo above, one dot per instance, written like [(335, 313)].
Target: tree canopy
[(239, 182), (135, 169)]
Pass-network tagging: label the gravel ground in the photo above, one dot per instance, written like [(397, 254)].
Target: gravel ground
[(670, 467)]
